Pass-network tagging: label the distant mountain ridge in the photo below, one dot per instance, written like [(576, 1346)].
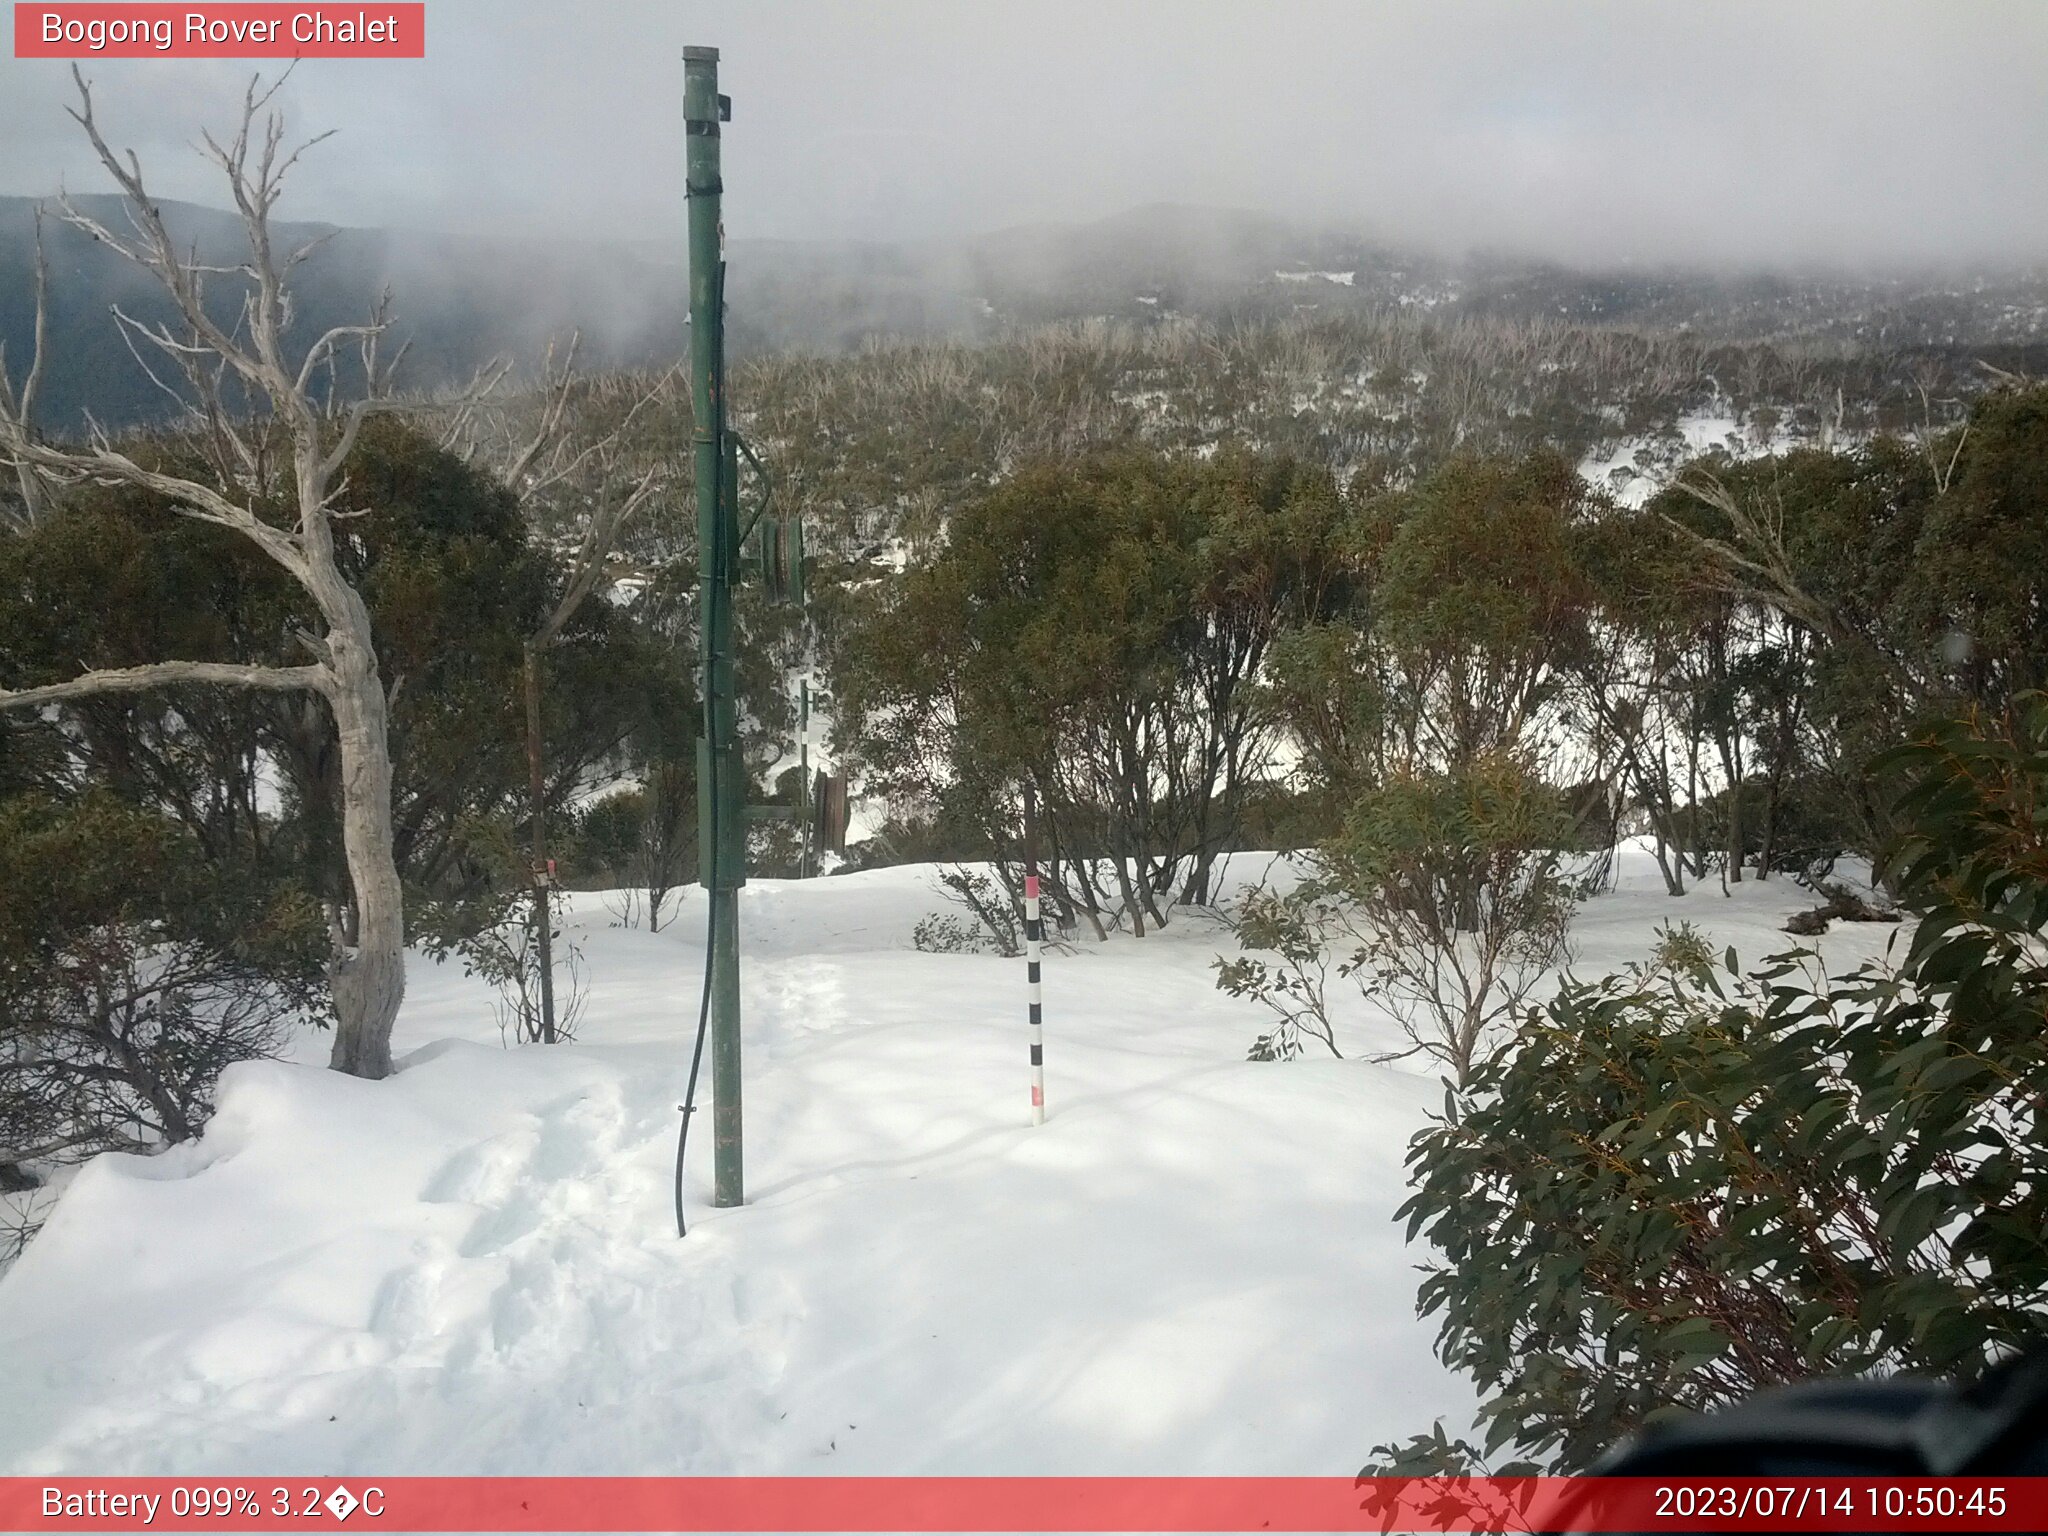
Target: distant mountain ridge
[(459, 301), (464, 299)]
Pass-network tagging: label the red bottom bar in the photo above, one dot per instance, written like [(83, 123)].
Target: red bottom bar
[(1022, 1504)]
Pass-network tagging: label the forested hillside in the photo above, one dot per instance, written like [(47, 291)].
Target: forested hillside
[(469, 298)]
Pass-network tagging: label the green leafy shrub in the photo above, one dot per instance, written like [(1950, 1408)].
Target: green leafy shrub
[(1301, 930), (994, 917), (1444, 900), (1460, 883), (504, 952), (1681, 951), (1680, 1186), (941, 933), (640, 842), (132, 972)]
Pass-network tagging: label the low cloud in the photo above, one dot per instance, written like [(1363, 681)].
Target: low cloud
[(1847, 133)]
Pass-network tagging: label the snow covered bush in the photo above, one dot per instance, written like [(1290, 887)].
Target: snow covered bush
[(997, 925), (505, 953), (1681, 1186), (941, 933), (131, 974), (1302, 930), (1445, 899)]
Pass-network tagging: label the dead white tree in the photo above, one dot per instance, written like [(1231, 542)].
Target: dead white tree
[(1929, 432), (1753, 561), (224, 369)]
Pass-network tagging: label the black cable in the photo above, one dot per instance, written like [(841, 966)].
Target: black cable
[(696, 1059), (710, 949), (689, 1104)]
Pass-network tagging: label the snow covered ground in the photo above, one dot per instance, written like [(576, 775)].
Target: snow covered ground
[(1634, 469), (1192, 1267)]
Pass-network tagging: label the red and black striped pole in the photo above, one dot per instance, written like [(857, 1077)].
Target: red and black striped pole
[(1034, 937)]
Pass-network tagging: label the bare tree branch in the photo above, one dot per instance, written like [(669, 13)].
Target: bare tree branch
[(600, 533), (155, 251), (32, 385), (164, 674), (1759, 552), (547, 435), (107, 465), (367, 970), (555, 453)]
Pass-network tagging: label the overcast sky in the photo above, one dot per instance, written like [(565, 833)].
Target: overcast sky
[(1786, 131)]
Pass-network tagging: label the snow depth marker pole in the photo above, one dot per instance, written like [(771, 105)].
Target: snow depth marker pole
[(1034, 936)]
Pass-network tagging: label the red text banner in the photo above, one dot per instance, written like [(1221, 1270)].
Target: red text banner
[(978, 1504), (216, 31)]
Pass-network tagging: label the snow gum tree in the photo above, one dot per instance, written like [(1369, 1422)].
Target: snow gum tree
[(1478, 602), (1880, 586), (276, 479), (1427, 708), (1098, 630)]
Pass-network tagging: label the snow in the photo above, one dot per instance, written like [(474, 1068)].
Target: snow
[(1634, 469), (1192, 1267), (810, 746), (894, 555)]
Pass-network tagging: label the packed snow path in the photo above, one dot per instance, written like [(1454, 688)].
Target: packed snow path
[(472, 1267)]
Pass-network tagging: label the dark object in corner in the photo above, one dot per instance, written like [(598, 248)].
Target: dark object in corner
[(1906, 1426)]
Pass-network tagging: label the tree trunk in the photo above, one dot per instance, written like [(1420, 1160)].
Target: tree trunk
[(1734, 820), (1123, 881), (1769, 850), (1147, 893), (368, 976), (1670, 861), (1695, 824), (1070, 906), (543, 882)]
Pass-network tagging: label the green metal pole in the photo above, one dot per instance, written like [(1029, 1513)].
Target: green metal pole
[(720, 793)]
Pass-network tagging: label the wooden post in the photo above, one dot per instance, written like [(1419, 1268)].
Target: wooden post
[(543, 874)]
